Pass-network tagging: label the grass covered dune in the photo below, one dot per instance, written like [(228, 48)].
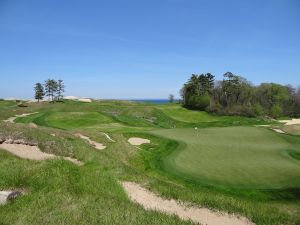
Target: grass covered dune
[(228, 165)]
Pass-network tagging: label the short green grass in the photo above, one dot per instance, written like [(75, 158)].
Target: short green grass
[(243, 157)]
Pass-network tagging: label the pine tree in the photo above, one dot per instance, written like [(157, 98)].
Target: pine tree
[(60, 89), (39, 91), (50, 88)]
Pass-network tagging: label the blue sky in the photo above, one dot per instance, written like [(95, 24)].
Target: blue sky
[(145, 49)]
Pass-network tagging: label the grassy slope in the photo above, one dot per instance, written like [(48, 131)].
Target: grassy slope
[(92, 195)]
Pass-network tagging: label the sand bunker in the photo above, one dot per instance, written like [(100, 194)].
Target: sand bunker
[(12, 119), (138, 141), (32, 152), (278, 130), (206, 216), (290, 122), (93, 143)]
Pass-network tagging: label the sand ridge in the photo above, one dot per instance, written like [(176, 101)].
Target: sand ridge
[(151, 201), (136, 141)]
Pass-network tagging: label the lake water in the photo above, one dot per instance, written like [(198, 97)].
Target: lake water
[(154, 101)]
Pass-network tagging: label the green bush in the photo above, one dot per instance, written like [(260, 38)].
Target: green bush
[(198, 102), (276, 111), (258, 110)]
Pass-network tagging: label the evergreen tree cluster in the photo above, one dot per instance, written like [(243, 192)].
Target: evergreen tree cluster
[(51, 88)]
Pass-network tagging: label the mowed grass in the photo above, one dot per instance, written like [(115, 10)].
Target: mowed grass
[(240, 157)]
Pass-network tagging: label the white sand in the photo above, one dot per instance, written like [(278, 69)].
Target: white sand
[(85, 100), (12, 119), (3, 196), (95, 144), (78, 99), (32, 152), (108, 137), (138, 141), (26, 151), (290, 122), (70, 98), (262, 125), (278, 130), (203, 216)]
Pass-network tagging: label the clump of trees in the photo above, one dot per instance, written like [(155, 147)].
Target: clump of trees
[(53, 89), (235, 95)]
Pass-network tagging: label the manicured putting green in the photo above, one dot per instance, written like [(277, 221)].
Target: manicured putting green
[(243, 157)]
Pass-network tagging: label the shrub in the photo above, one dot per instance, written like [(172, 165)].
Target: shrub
[(258, 110), (22, 105), (276, 111)]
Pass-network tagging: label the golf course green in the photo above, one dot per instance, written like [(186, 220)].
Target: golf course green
[(243, 157)]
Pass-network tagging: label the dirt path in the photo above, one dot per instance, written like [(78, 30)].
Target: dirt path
[(203, 216), (95, 144), (32, 152), (12, 119), (108, 137), (136, 141)]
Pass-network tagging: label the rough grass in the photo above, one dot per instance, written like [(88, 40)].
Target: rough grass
[(59, 192)]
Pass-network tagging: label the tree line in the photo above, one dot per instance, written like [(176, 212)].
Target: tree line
[(51, 88), (235, 95)]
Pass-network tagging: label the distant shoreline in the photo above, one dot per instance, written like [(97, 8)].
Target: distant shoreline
[(155, 101)]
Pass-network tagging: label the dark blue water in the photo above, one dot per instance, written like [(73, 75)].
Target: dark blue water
[(154, 101)]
